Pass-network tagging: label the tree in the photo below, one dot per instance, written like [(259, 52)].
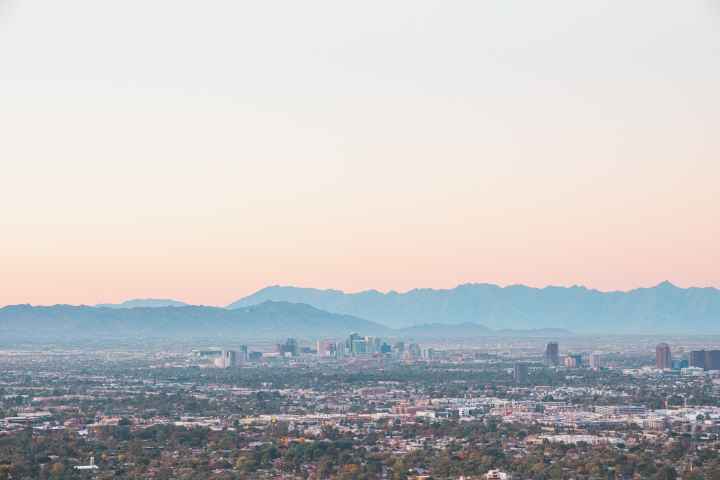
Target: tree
[(56, 470), (666, 473)]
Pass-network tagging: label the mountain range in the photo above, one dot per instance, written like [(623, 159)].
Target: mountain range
[(471, 310), (659, 309), (269, 320)]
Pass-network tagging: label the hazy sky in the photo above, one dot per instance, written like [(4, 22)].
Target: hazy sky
[(202, 150)]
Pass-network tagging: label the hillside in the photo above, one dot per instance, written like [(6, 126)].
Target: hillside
[(267, 320)]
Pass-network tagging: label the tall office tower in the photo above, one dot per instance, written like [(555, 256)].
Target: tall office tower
[(243, 354), (712, 360), (595, 362), (340, 350), (373, 344), (231, 359), (325, 348), (415, 350), (697, 359), (520, 372), (228, 359), (552, 354), (356, 344), (663, 357), (291, 347)]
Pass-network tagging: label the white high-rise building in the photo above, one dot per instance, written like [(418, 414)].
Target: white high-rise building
[(325, 348), (341, 350), (228, 359)]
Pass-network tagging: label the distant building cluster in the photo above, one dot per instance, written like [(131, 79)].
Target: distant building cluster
[(552, 358), (573, 361), (697, 360), (218, 358), (357, 345), (360, 394), (360, 346), (288, 349), (705, 359)]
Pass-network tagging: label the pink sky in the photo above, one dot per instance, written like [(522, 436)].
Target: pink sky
[(337, 147)]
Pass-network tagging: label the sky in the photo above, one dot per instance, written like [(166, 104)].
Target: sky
[(204, 150)]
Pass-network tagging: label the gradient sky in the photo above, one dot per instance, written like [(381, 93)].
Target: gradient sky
[(203, 150)]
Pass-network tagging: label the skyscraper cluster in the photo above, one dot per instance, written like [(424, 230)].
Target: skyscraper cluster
[(573, 360), (357, 345), (288, 349), (552, 358), (704, 359)]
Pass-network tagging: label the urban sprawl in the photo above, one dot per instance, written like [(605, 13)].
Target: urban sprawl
[(364, 408)]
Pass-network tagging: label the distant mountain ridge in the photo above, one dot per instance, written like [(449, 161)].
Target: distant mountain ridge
[(659, 309), (267, 320), (471, 310), (144, 303)]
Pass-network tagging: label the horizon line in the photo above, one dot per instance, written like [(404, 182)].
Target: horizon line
[(667, 283)]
